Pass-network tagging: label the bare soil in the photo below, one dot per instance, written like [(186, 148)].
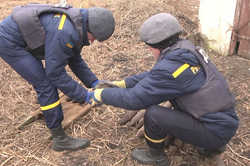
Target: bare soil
[(114, 59)]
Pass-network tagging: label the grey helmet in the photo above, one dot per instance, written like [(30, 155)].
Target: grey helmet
[(159, 27), (101, 23)]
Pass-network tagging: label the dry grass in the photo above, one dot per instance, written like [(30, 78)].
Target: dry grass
[(114, 59)]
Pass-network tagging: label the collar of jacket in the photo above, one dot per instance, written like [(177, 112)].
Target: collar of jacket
[(164, 51), (183, 48), (85, 41), (163, 54)]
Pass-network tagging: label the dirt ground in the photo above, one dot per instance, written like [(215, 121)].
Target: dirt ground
[(114, 59)]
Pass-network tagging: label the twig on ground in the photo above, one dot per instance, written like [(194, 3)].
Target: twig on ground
[(118, 162), (6, 161), (236, 160), (42, 160), (237, 154)]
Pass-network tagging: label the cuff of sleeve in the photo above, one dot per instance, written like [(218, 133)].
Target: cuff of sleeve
[(94, 83), (98, 95), (121, 84)]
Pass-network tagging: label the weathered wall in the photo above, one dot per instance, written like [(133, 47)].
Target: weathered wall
[(240, 41), (216, 21)]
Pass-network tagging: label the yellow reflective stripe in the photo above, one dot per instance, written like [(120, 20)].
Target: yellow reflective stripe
[(62, 21), (154, 140), (53, 105), (69, 45), (121, 84), (98, 94), (180, 70)]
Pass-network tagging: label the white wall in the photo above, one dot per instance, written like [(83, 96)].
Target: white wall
[(216, 19)]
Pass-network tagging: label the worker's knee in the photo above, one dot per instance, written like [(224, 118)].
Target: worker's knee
[(156, 113), (44, 86), (46, 92), (150, 113)]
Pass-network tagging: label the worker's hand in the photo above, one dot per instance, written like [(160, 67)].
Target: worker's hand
[(110, 84), (94, 98)]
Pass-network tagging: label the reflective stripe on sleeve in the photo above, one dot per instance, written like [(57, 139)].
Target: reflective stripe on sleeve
[(53, 105), (154, 140), (180, 70), (62, 21)]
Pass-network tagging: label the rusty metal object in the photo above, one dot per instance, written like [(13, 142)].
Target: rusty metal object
[(136, 119), (72, 111), (105, 84), (127, 117), (31, 118), (37, 114)]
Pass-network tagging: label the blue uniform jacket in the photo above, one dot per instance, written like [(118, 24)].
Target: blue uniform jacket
[(159, 85), (60, 50)]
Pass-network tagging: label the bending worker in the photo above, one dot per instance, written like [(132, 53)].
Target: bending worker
[(203, 111), (38, 32)]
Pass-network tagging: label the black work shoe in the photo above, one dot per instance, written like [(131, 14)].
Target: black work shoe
[(150, 157), (211, 153), (61, 141)]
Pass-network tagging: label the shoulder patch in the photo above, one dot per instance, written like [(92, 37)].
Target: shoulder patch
[(70, 45), (195, 69)]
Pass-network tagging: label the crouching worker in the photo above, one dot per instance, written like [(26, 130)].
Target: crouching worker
[(203, 114), (57, 35)]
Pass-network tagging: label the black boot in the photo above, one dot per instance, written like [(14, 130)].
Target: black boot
[(61, 141), (211, 153), (151, 156)]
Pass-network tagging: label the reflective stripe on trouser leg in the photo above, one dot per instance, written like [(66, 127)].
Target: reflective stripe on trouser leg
[(154, 133), (160, 121), (50, 104), (53, 116), (31, 69), (154, 143), (157, 141)]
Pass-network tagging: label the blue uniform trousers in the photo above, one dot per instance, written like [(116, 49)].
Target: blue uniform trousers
[(161, 121), (32, 70)]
